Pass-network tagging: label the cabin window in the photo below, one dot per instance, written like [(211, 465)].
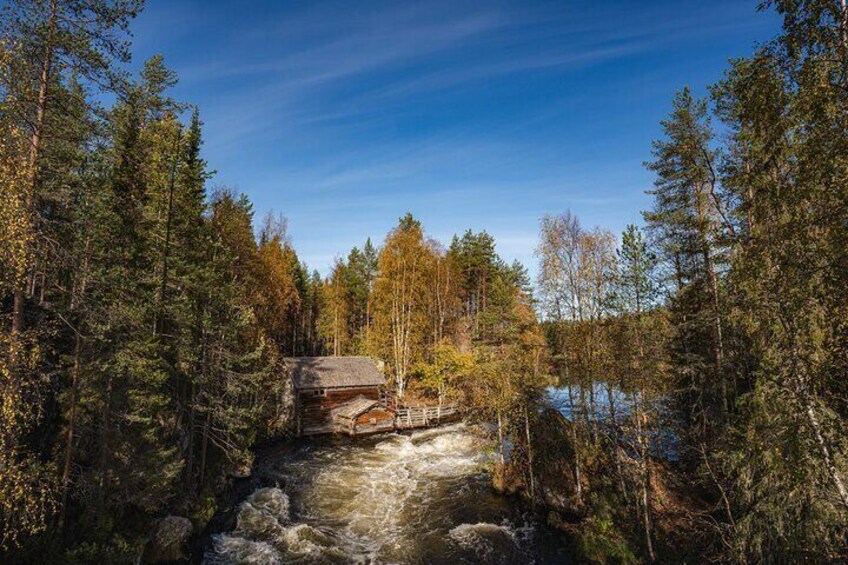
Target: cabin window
[(319, 392)]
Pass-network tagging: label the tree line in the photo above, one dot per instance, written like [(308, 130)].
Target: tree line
[(145, 316), (453, 323), (725, 321)]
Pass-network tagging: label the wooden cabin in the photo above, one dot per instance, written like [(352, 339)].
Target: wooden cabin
[(323, 385), (363, 416)]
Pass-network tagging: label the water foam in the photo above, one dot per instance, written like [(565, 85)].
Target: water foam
[(230, 549), (492, 542), (369, 503)]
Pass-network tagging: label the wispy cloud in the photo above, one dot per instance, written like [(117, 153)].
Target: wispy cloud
[(382, 60), (481, 115), (368, 45), (284, 85)]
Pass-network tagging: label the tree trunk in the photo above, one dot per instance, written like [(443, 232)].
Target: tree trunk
[(593, 424), (191, 423), (830, 466), (749, 205), (578, 476), (719, 343), (203, 448), (336, 329), (500, 472), (646, 509), (644, 471), (163, 287), (725, 501), (103, 482), (501, 453), (712, 281), (616, 437), (844, 28), (34, 153), (69, 437), (529, 453)]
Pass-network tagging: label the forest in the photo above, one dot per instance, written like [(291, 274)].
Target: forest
[(145, 314)]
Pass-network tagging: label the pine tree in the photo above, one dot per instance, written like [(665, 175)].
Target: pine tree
[(685, 224), (475, 257), (48, 40), (785, 166), (641, 358)]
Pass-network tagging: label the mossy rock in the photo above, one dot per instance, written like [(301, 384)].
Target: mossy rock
[(170, 540)]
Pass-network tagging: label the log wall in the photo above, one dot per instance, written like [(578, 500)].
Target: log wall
[(315, 412)]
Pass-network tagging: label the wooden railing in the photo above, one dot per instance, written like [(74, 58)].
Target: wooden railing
[(422, 416), (313, 421)]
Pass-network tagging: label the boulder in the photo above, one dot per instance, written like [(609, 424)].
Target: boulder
[(170, 540), (555, 460)]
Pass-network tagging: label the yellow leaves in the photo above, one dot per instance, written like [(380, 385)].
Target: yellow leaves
[(17, 230), (449, 365), (278, 264), (25, 500), (26, 485), (400, 293), (332, 320)]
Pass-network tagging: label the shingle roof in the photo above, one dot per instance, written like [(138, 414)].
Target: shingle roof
[(355, 407), (329, 372)]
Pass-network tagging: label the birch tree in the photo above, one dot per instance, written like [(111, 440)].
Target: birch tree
[(400, 298)]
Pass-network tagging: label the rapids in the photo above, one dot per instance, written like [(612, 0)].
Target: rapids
[(413, 498)]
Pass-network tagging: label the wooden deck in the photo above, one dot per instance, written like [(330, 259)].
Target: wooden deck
[(424, 416), (405, 418)]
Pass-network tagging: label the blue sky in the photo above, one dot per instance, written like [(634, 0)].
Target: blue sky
[(484, 115)]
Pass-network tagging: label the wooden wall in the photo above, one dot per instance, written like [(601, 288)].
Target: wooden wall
[(315, 410), (380, 415), (384, 420)]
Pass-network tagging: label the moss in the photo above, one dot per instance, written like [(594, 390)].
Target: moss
[(116, 549), (204, 509), (600, 541)]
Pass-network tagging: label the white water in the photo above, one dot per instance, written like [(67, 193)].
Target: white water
[(420, 498)]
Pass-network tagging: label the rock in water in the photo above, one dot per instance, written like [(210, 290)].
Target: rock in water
[(554, 464), (170, 540)]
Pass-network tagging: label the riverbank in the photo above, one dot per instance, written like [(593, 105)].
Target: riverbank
[(598, 512)]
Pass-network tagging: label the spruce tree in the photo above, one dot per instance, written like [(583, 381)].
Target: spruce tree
[(686, 228)]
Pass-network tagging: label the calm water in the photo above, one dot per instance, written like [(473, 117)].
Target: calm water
[(622, 402), (404, 499), (663, 441)]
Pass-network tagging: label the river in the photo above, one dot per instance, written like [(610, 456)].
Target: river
[(609, 399), (419, 498)]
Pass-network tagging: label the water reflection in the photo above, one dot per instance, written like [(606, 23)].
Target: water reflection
[(605, 403)]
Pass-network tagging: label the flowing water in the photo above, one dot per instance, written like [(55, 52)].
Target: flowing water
[(413, 498)]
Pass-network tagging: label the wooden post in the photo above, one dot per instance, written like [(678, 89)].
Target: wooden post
[(298, 410)]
